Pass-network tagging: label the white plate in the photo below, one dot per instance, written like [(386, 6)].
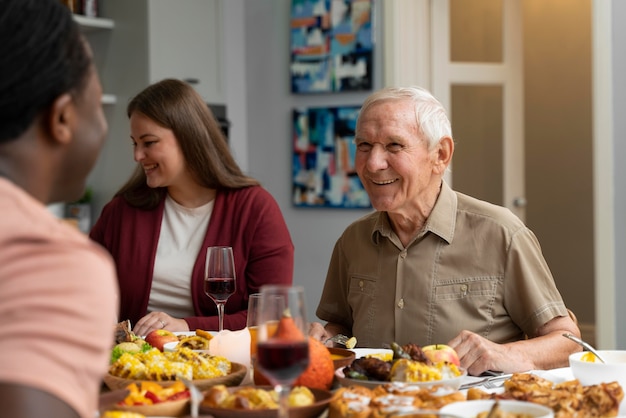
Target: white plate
[(382, 353), (453, 383), (469, 409)]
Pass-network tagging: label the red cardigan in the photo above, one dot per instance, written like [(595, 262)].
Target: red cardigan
[(247, 219)]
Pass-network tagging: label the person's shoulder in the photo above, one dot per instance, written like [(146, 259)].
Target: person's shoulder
[(487, 212), (363, 225)]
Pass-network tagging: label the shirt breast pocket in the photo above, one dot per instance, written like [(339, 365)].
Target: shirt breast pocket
[(477, 291), (363, 285)]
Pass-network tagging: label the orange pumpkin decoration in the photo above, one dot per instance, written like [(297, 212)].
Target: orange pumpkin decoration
[(319, 374)]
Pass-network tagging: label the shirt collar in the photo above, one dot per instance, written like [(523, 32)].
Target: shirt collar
[(441, 221)]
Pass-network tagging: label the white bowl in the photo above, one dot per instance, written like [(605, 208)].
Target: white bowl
[(589, 373), (469, 409)]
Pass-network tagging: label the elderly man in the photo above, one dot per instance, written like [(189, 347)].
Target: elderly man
[(432, 265)]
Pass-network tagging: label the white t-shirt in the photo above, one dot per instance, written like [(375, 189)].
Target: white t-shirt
[(182, 233)]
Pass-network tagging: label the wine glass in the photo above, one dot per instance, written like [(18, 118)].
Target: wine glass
[(219, 277), (282, 350)]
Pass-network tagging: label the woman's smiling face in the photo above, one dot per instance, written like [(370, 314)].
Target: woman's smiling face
[(392, 160), (157, 150)]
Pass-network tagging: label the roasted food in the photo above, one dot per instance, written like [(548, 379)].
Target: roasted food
[(416, 353), (253, 398), (409, 364), (194, 342), (389, 400), (123, 332), (370, 367), (568, 399)]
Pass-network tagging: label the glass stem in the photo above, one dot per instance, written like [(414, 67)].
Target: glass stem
[(283, 396), (220, 313)]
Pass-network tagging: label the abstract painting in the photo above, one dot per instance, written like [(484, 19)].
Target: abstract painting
[(323, 159), (331, 45)]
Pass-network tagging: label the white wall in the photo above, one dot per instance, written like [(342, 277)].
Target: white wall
[(269, 104)]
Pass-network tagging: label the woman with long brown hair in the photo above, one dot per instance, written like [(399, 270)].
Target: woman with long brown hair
[(187, 193)]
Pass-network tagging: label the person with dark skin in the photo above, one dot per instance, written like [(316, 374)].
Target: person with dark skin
[(58, 294)]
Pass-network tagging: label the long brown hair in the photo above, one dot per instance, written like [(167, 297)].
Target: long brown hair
[(175, 105)]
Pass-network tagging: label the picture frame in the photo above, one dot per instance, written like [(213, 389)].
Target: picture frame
[(324, 152), (332, 46)]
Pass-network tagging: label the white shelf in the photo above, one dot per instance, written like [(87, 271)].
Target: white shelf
[(89, 24), (109, 99)]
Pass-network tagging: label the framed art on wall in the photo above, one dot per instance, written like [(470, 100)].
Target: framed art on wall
[(323, 159), (331, 45)]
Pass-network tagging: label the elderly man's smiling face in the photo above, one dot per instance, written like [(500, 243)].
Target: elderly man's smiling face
[(393, 161)]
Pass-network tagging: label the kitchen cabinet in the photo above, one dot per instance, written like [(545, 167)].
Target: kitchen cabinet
[(185, 43), (95, 30), (137, 43)]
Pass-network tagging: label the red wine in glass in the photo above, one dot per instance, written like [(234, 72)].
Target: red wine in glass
[(219, 278), (219, 289), (283, 361)]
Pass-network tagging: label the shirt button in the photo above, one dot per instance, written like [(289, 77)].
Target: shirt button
[(403, 255), (361, 285), (464, 288), (401, 304)]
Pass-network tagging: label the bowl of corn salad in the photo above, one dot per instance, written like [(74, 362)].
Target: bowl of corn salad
[(202, 368)]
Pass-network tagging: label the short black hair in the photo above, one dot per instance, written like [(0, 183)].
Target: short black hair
[(42, 55)]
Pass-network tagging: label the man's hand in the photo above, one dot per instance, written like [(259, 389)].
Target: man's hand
[(317, 331), (548, 349)]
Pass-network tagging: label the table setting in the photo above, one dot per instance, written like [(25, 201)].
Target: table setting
[(275, 370)]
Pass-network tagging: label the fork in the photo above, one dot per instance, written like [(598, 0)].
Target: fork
[(342, 340), (493, 384), (492, 381), (196, 396)]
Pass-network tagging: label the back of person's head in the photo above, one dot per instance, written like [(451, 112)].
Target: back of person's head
[(42, 55), (175, 105), (430, 114)]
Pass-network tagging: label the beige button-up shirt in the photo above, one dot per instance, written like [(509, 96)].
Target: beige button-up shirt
[(473, 266)]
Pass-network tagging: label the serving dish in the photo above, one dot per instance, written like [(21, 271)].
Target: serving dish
[(469, 409), (341, 356), (453, 383), (109, 402), (165, 409), (234, 378), (322, 399)]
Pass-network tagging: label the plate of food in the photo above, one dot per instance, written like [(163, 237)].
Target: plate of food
[(153, 399), (410, 365), (234, 378), (450, 382), (262, 402)]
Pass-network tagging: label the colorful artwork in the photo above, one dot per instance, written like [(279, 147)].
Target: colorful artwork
[(331, 45), (323, 159)]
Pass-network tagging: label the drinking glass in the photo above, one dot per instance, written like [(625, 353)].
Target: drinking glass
[(252, 320), (219, 278), (282, 356)]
